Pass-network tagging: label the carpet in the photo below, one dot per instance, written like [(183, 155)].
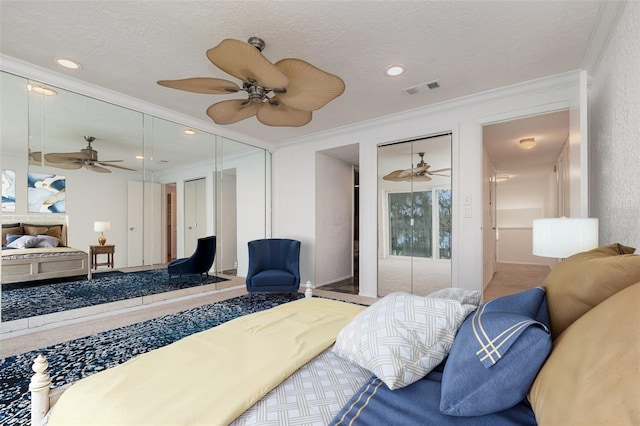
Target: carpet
[(48, 296), (82, 357)]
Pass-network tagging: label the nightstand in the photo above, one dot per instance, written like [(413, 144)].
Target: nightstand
[(107, 249)]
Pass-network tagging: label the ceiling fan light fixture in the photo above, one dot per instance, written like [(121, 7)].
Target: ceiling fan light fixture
[(527, 143), (394, 70), (41, 89)]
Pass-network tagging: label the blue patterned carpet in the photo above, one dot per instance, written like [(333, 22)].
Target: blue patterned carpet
[(25, 300), (79, 358)]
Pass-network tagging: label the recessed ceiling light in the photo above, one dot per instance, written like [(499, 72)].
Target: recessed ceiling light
[(394, 70), (68, 63), (41, 90), (139, 157), (527, 143), (189, 132)]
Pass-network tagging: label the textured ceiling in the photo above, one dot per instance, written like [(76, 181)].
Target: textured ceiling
[(468, 46)]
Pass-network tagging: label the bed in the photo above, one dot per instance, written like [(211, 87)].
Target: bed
[(285, 365), (36, 250), (478, 364)]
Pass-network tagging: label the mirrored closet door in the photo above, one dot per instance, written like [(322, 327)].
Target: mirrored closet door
[(414, 215)]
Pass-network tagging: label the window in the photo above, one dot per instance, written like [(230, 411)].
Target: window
[(413, 218)]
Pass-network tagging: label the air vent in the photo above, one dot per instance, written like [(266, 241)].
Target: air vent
[(422, 88)]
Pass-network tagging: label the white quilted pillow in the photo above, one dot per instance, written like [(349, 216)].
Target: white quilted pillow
[(402, 337)]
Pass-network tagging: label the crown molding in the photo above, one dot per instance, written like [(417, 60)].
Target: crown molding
[(32, 72)]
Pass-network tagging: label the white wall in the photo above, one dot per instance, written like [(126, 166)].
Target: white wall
[(615, 134), (334, 224), (294, 200)]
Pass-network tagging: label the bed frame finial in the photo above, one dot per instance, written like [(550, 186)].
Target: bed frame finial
[(39, 388), (309, 289)]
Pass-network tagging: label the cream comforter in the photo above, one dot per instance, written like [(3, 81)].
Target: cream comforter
[(210, 377)]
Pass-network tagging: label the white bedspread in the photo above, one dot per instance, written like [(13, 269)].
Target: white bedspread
[(210, 377)]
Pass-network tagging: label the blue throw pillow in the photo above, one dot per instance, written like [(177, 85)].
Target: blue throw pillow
[(496, 355)]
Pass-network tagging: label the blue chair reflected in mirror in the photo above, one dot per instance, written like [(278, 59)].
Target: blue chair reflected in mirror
[(274, 266), (199, 263)]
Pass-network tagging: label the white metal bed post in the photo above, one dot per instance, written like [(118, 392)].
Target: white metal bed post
[(39, 388)]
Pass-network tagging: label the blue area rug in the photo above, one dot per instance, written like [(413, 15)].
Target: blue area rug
[(80, 358), (23, 300)]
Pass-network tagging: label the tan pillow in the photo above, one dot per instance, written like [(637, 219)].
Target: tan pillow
[(583, 280), (50, 230), (16, 230), (592, 376)]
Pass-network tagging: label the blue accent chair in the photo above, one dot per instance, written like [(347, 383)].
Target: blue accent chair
[(274, 266), (199, 263)]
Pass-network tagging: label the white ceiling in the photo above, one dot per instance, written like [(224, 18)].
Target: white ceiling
[(468, 46)]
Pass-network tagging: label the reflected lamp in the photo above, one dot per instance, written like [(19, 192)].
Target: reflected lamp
[(101, 227), (563, 237)]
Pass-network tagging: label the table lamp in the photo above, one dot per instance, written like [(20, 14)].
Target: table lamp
[(101, 227), (563, 237)]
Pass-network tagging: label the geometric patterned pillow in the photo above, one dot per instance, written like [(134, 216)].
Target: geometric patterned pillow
[(402, 337)]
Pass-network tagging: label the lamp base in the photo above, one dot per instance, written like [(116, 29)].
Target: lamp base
[(102, 239)]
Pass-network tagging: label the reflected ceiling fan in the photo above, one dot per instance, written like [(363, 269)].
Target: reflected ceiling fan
[(86, 157), (284, 94), (419, 173)]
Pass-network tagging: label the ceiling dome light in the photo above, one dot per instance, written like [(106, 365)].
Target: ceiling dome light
[(41, 90), (68, 63), (394, 70), (189, 132), (527, 143)]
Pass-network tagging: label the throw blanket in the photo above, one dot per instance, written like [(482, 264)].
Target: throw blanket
[(210, 377)]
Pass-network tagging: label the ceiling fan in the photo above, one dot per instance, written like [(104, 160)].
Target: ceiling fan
[(86, 157), (419, 173), (284, 94)]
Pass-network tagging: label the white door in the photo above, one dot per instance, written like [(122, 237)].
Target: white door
[(135, 224), (152, 218), (195, 225)]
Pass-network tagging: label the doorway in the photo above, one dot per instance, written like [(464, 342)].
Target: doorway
[(337, 217), (171, 222), (523, 181)]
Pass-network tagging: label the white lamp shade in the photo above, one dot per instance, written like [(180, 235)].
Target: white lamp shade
[(563, 237), (101, 226)]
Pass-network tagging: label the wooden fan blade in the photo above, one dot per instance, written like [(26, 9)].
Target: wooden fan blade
[(111, 161), (35, 156), (245, 62), (62, 157), (67, 166), (440, 170), (279, 114), (309, 87), (228, 112), (95, 168), (212, 86), (103, 163)]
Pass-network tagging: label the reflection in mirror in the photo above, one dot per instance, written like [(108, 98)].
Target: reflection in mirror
[(414, 216), (135, 177)]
